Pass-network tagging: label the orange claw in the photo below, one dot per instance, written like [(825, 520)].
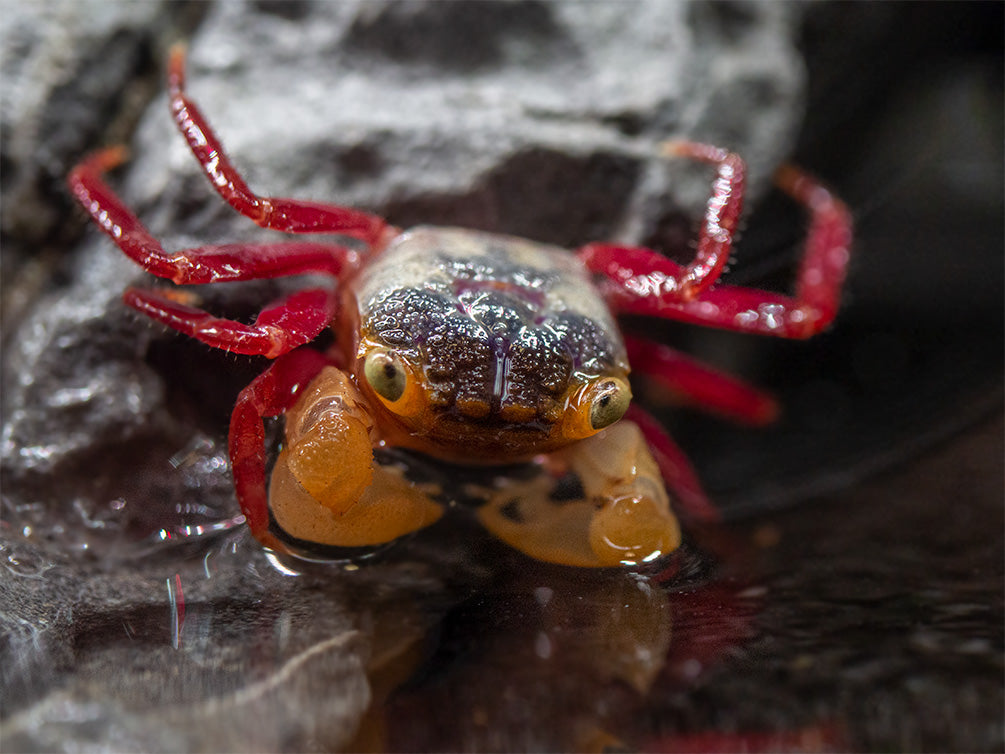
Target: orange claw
[(325, 486), (622, 518)]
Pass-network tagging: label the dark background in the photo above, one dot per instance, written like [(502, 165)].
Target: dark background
[(907, 126)]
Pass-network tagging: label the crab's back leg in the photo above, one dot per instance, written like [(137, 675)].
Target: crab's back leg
[(700, 384), (290, 215), (641, 281)]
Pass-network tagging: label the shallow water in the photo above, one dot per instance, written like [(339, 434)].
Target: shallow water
[(872, 620)]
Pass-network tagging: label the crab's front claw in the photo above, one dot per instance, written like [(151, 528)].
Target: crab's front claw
[(389, 508), (603, 505), (326, 487)]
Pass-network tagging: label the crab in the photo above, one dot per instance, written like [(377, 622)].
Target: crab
[(471, 348)]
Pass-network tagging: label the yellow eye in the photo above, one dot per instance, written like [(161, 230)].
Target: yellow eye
[(596, 406), (610, 401), (396, 382), (386, 374)]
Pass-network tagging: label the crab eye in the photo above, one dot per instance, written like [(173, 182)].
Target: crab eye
[(596, 405), (610, 401), (386, 374)]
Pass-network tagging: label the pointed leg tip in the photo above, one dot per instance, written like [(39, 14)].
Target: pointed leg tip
[(108, 158), (673, 148), (176, 67), (177, 52)]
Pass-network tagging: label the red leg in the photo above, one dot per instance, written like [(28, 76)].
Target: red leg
[(825, 259), (290, 215), (715, 239), (269, 394), (640, 281), (676, 469), (281, 327), (721, 215), (699, 383), (200, 265)]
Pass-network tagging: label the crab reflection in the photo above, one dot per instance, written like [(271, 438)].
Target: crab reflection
[(549, 658)]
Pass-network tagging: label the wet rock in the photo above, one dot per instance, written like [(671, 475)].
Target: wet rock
[(215, 653), (75, 74)]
